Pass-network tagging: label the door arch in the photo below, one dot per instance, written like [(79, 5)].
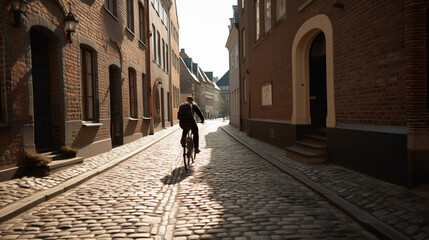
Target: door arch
[(301, 47)]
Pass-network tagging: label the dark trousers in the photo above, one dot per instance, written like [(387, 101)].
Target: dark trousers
[(190, 125)]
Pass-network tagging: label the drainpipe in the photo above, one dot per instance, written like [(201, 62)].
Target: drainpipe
[(148, 67)]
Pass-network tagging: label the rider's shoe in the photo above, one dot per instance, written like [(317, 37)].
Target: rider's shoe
[(182, 142), (197, 150)]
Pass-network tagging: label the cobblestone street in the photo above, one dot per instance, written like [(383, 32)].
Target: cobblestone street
[(229, 193)]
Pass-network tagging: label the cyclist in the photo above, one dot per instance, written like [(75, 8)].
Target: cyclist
[(187, 121)]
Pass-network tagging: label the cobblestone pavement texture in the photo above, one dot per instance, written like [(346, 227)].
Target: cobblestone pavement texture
[(229, 193), (397, 206), (20, 188)]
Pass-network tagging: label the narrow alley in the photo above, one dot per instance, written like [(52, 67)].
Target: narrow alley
[(229, 193)]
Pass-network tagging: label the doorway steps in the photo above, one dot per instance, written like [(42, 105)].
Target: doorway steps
[(312, 149), (60, 160)]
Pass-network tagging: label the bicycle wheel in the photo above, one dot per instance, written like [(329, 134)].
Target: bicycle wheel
[(190, 150), (185, 156)]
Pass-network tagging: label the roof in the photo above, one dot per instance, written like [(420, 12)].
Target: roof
[(224, 80)]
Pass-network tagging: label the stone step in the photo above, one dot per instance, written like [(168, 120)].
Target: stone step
[(316, 139), (64, 163), (306, 157), (311, 147)]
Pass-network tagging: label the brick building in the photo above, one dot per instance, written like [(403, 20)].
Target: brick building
[(90, 93), (350, 75)]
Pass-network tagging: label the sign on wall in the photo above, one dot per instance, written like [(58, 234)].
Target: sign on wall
[(267, 96)]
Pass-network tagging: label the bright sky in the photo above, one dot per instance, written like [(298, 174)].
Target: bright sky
[(203, 31)]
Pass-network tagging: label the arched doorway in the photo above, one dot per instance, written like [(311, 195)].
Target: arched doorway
[(313, 45), (157, 104), (45, 63), (317, 69), (116, 127)]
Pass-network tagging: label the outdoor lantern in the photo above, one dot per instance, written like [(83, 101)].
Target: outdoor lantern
[(18, 7), (70, 24)]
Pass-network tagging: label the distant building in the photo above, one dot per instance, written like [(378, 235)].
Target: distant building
[(352, 76), (234, 70), (194, 81), (223, 85)]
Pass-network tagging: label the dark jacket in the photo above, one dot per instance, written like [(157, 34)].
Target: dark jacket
[(196, 110)]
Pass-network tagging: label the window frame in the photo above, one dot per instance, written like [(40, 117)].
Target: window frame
[(84, 81), (158, 36), (142, 23), (145, 88), (132, 88), (280, 15), (267, 15), (154, 42), (130, 15), (257, 20), (111, 6)]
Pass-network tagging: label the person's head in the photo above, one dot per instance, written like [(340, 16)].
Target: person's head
[(190, 99)]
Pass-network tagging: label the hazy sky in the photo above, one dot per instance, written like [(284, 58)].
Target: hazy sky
[(203, 31)]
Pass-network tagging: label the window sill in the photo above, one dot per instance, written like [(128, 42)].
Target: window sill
[(147, 118), (142, 43), (91, 124), (130, 31), (132, 119)]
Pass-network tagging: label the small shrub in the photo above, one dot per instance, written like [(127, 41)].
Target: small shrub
[(68, 151), (36, 164)]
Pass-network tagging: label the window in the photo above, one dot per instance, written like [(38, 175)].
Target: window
[(133, 92), (242, 4), (243, 45), (88, 84), (281, 8), (154, 42), (145, 97), (163, 54), (111, 6), (156, 5), (267, 15), (142, 23), (158, 38), (130, 15), (258, 20), (166, 56)]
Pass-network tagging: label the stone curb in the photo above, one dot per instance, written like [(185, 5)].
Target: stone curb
[(365, 219), (27, 203)]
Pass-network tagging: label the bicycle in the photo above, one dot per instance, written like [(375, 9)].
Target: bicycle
[(188, 150)]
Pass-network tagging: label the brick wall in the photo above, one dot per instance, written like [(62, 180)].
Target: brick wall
[(111, 42), (369, 60)]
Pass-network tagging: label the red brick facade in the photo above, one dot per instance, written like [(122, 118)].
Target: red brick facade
[(379, 73), (115, 49)]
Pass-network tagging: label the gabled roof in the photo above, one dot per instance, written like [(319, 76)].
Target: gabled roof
[(224, 80), (189, 72)]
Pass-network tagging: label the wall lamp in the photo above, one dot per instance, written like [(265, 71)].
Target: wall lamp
[(70, 24), (18, 7), (339, 5)]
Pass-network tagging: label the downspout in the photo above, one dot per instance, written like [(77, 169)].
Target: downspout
[(170, 111), (148, 67)]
